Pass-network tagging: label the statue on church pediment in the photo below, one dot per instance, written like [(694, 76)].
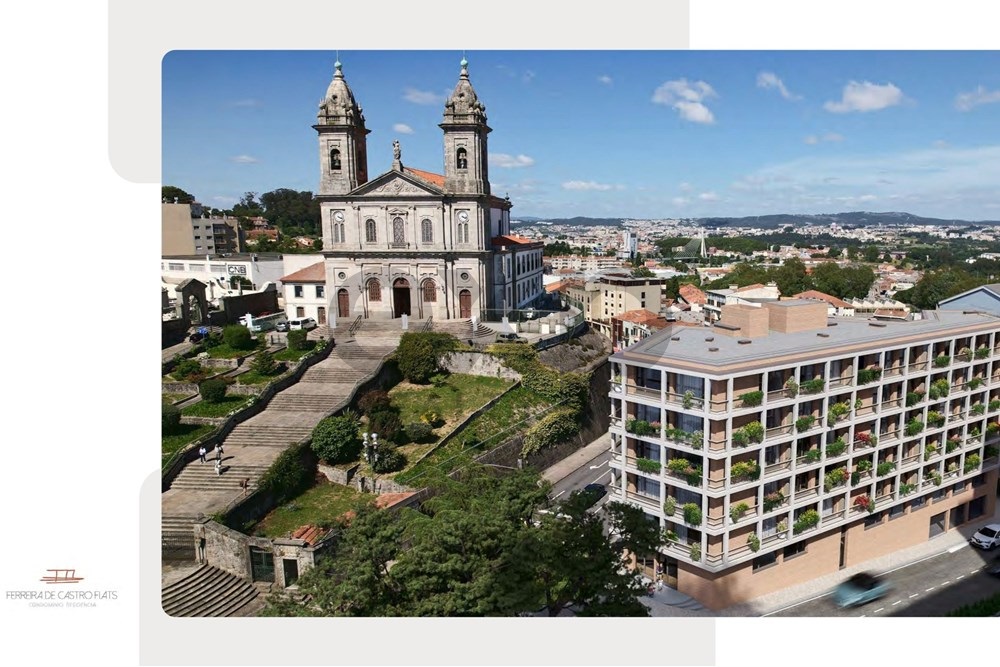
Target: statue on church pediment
[(396, 152)]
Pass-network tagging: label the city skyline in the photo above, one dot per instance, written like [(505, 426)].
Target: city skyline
[(644, 134)]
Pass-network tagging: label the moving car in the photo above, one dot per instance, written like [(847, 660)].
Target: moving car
[(594, 492), (861, 589), (987, 537), (303, 323)]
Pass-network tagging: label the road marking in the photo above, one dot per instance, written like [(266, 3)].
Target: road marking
[(797, 604), (598, 465), (879, 609), (558, 494), (896, 602), (914, 595), (959, 577), (606, 472), (861, 616), (974, 571), (930, 589), (945, 583)]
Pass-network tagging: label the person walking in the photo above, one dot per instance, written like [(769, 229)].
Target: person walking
[(218, 467), (201, 453), (218, 452)]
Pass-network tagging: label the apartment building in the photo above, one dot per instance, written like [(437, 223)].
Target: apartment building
[(185, 230), (780, 445), (754, 294), (610, 296)]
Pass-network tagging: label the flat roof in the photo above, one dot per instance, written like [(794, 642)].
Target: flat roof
[(843, 336), (232, 257)]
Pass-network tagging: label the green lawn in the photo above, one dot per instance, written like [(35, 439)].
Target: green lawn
[(320, 505), (173, 398), (291, 355), (225, 352), (491, 428), (456, 397), (220, 409), (186, 433), (253, 377)]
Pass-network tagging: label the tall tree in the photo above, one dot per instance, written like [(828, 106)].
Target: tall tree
[(172, 192)]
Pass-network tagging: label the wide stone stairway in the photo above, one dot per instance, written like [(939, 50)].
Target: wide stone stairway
[(209, 591)]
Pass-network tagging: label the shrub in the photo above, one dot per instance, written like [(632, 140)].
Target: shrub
[(941, 361), (914, 426), (772, 500), (952, 444), (782, 526), (972, 462), (885, 468), (263, 363), (930, 449), (807, 519), (238, 337), (696, 552), (753, 542), (298, 340), (187, 368), (913, 397), (863, 502), (751, 399), (836, 448), (982, 352), (934, 476), (978, 409), (754, 431), (835, 477), (745, 470), (669, 506), (869, 375), (804, 423), (792, 387), (386, 423), (336, 439), (739, 439), (812, 455), (171, 419), (692, 514), (212, 391), (374, 400), (935, 418), (418, 431), (990, 451), (906, 489), (813, 386), (290, 474), (419, 354), (688, 399), (553, 428), (737, 511), (648, 466), (388, 459), (864, 465)]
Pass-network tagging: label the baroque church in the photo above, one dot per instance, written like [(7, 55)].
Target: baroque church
[(415, 242)]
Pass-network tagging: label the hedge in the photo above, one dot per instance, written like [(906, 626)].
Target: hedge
[(551, 429)]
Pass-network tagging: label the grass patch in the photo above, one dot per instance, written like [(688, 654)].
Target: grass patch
[(223, 351), (293, 356), (220, 409), (491, 428), (320, 505), (173, 398), (186, 433), (253, 377), (456, 397)]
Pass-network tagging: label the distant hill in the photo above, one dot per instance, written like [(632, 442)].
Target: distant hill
[(847, 219)]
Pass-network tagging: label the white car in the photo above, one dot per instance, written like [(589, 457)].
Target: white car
[(987, 537), (303, 323)]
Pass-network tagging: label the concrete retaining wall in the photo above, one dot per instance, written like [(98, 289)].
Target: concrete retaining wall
[(477, 363), (339, 475)]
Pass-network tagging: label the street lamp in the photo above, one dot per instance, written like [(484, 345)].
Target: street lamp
[(371, 448)]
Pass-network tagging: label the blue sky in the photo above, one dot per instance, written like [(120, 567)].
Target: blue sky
[(649, 134)]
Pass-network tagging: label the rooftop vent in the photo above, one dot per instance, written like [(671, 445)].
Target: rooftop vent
[(877, 324), (831, 324), (675, 338), (823, 335), (710, 339), (744, 341), (713, 349)]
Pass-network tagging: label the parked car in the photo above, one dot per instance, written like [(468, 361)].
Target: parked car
[(303, 323), (994, 567), (987, 537), (594, 492), (281, 326), (860, 589)]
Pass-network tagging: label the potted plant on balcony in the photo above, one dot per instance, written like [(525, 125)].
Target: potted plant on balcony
[(990, 451), (688, 399), (930, 449), (804, 423), (858, 404), (773, 500), (814, 385), (992, 428), (791, 387), (941, 360), (994, 405), (812, 455), (669, 506), (906, 489), (884, 468), (696, 439), (982, 352), (913, 397), (692, 514), (695, 552), (865, 439), (837, 410), (836, 448), (913, 427), (669, 536), (737, 511), (751, 399), (934, 476), (648, 466), (939, 389), (753, 542), (978, 409), (754, 431), (975, 383), (934, 419), (616, 382), (972, 462), (864, 465), (869, 375), (782, 528), (806, 520), (965, 354), (863, 502), (744, 471), (834, 478), (953, 443)]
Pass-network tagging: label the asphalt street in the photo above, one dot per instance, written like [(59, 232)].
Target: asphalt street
[(594, 471)]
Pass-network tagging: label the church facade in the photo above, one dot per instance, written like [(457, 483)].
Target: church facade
[(415, 242)]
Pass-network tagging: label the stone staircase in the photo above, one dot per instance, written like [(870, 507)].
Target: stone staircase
[(177, 538), (202, 476), (461, 329), (209, 591), (255, 434)]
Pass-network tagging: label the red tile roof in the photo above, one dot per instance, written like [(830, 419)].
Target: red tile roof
[(316, 273), (821, 296), (436, 180), (640, 316), (512, 239), (308, 533), (692, 294)]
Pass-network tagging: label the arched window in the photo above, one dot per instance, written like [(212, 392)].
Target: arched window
[(398, 232), (374, 290), (463, 232), (461, 159), (338, 232), (430, 291), (426, 232), (370, 234), (334, 160)]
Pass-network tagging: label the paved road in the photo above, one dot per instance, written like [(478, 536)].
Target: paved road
[(931, 587), (595, 470)]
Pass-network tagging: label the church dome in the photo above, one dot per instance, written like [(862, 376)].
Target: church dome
[(464, 106), (339, 106)]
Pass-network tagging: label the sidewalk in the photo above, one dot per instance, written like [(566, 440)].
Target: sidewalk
[(559, 471)]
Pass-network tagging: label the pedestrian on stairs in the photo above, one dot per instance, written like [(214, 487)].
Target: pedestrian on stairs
[(245, 485), (218, 451), (218, 466), (201, 453)]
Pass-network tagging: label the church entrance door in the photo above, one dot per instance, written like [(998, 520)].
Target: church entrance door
[(343, 304), (465, 303), (400, 297)]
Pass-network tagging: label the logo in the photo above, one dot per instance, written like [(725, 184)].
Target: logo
[(62, 577)]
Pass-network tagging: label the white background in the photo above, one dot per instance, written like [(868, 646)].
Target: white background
[(80, 372)]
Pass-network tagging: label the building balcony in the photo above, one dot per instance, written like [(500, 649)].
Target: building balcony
[(643, 392), (917, 367), (776, 468)]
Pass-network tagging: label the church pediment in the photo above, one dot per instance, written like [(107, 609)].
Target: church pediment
[(394, 183)]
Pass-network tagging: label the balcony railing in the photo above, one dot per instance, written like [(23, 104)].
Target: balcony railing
[(644, 392), (893, 370), (805, 494), (918, 366), (694, 402), (842, 381), (834, 517), (774, 468), (778, 431), (891, 404), (647, 501)]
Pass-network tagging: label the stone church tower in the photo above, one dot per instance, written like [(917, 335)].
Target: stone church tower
[(465, 130), (343, 152)]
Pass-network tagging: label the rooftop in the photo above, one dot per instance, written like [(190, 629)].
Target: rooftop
[(708, 351), (314, 273)]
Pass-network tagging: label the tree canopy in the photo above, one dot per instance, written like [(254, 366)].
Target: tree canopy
[(172, 192)]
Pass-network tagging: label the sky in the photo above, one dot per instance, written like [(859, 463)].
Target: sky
[(640, 134)]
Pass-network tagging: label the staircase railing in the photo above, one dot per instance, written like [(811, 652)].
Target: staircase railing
[(355, 326), (429, 324)]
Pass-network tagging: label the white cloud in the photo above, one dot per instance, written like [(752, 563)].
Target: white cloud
[(247, 103), (687, 98), (867, 198), (506, 161), (940, 143), (605, 79), (244, 159), (586, 185), (771, 80), (685, 187), (423, 96), (813, 139), (223, 199), (708, 196), (680, 201), (866, 96), (966, 101), (402, 128)]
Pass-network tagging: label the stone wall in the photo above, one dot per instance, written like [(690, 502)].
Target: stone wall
[(379, 486), (256, 303), (477, 363), (225, 548), (338, 475)]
